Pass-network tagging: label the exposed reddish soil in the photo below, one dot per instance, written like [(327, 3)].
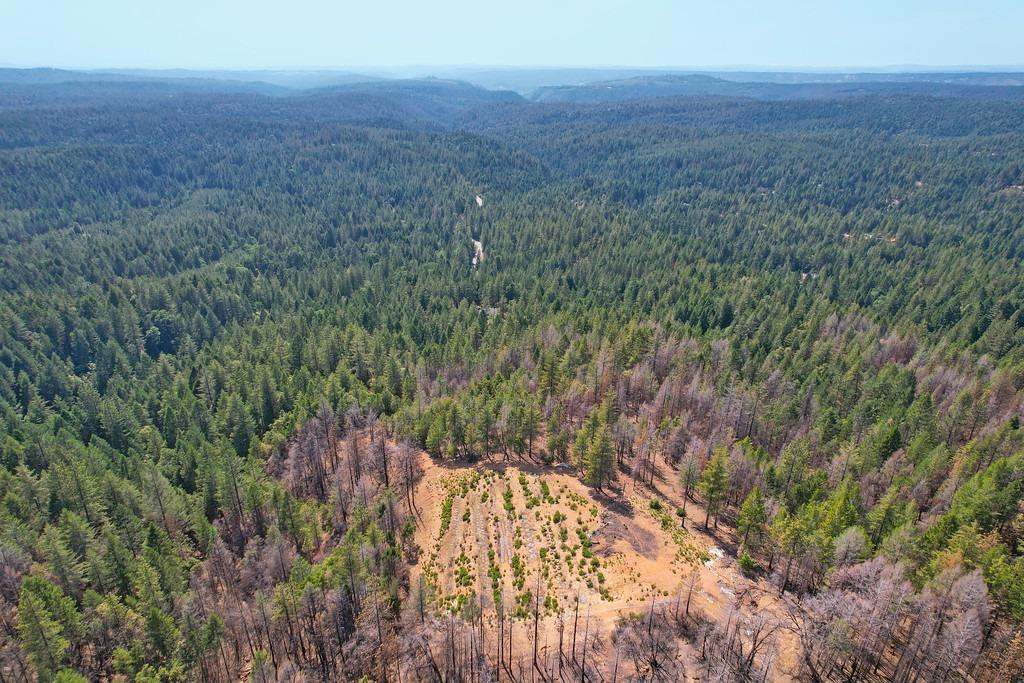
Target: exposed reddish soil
[(615, 552)]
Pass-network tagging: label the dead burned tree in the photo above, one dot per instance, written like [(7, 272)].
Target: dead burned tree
[(380, 457), (650, 643), (326, 423), (845, 629), (946, 635), (867, 623), (409, 471), (14, 564), (742, 649), (310, 460)]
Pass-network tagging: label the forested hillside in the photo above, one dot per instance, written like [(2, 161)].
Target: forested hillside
[(243, 336), (791, 88)]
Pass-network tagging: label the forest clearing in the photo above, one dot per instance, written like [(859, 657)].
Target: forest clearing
[(524, 541)]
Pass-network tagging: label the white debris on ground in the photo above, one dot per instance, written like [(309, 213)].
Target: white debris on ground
[(715, 553), (478, 253), (478, 246)]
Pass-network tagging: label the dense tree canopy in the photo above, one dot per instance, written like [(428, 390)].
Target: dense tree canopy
[(227, 321)]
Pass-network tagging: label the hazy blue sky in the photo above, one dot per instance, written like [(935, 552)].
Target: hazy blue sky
[(321, 33)]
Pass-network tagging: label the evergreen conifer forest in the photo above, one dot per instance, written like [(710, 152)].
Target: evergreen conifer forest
[(417, 381)]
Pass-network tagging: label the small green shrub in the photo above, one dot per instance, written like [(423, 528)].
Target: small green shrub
[(747, 563), (446, 514)]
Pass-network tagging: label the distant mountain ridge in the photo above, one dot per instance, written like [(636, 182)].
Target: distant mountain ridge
[(438, 97), (290, 80), (283, 78), (644, 87)]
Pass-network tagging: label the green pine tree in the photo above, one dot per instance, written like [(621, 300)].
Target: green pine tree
[(714, 483), (47, 623), (752, 517), (600, 457)]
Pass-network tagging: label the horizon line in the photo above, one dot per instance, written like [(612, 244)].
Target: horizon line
[(767, 68)]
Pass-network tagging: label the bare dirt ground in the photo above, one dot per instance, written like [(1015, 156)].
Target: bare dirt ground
[(504, 532)]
